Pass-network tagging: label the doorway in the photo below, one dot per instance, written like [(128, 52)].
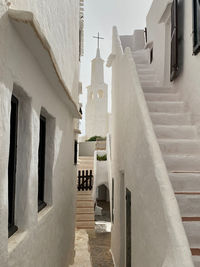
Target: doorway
[(128, 228)]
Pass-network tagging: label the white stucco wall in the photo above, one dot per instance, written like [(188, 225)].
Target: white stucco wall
[(188, 81), (45, 239), (86, 149), (59, 21), (137, 164)]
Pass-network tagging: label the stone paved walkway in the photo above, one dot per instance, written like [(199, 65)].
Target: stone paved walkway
[(99, 244), (93, 247)]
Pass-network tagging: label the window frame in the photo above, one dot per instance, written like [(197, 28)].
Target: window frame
[(196, 27), (42, 163), (12, 165)]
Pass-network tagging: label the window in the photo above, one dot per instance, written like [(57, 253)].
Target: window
[(75, 152), (145, 34), (196, 27), (174, 41), (41, 163), (151, 55), (12, 166)]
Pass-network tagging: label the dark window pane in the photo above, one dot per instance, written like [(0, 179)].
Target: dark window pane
[(12, 166), (41, 163)]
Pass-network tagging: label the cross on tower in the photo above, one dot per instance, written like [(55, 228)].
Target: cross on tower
[(98, 39)]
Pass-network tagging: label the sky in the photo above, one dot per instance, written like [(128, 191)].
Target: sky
[(100, 16)]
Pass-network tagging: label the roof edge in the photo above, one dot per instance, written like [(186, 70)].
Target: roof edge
[(28, 17)]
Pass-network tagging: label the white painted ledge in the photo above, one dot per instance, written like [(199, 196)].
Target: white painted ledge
[(30, 31)]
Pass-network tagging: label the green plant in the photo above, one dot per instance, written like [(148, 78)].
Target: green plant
[(96, 138), (102, 158)]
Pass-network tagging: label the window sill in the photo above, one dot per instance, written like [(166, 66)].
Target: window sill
[(44, 212), (41, 206), (12, 230), (15, 240)]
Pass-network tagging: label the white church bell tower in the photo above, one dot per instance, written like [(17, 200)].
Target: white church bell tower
[(97, 99)]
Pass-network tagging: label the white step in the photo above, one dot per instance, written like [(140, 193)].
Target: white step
[(140, 59), (158, 90), (189, 205), (161, 97), (175, 132), (192, 230), (144, 71), (143, 66), (170, 119), (146, 77), (166, 107), (179, 146), (149, 83), (182, 163), (185, 182)]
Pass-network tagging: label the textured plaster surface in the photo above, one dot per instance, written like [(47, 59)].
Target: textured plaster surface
[(137, 164), (59, 21), (44, 239)]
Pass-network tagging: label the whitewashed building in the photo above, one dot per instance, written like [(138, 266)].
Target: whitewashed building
[(155, 144), (40, 47)]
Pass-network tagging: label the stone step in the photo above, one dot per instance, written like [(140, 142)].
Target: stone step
[(142, 66), (185, 182), (179, 146), (84, 210), (146, 77), (85, 204), (88, 192), (85, 225), (144, 71), (189, 205), (175, 132), (140, 59), (170, 119), (84, 197), (158, 90), (182, 163), (161, 97), (192, 230), (166, 107), (149, 83), (196, 260), (84, 217)]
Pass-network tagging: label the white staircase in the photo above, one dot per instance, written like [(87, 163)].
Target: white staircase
[(180, 147)]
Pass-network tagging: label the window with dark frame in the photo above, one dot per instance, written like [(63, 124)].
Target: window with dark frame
[(196, 27), (151, 55), (174, 41), (75, 152), (41, 164), (12, 228)]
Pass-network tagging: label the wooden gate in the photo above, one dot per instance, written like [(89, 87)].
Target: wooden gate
[(85, 180)]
